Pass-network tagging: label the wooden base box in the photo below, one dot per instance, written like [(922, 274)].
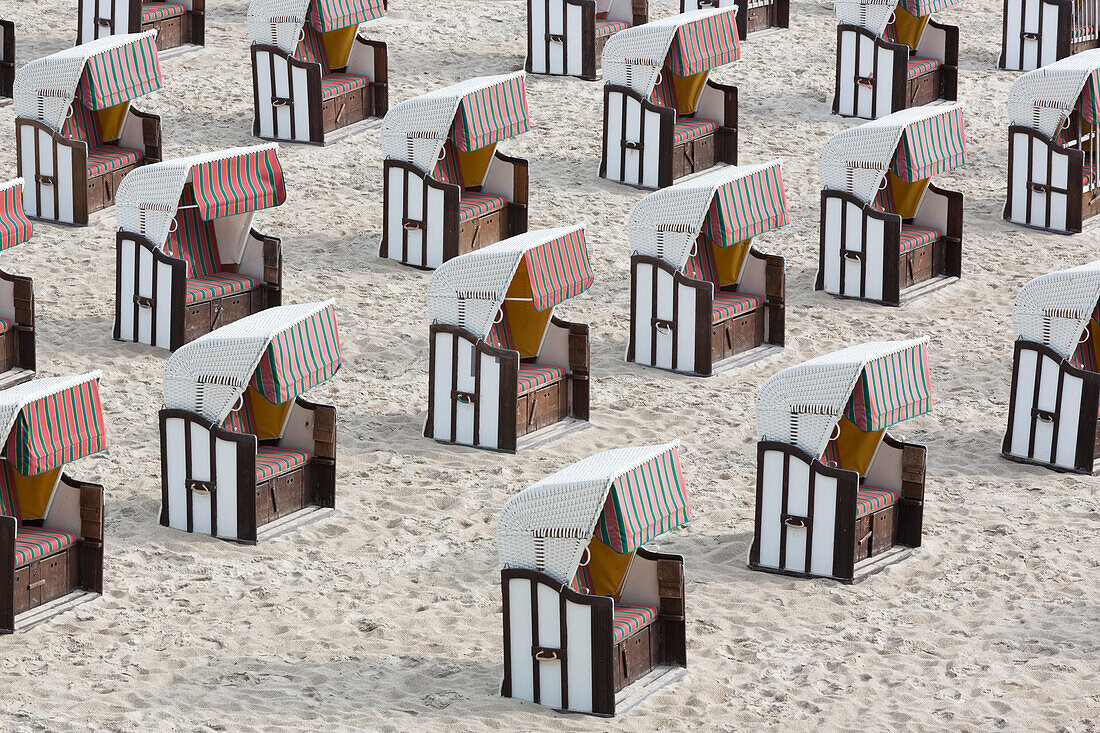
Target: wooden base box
[(918, 265), (542, 407), (483, 231), (203, 317), (46, 579), (693, 156), (346, 109), (762, 17), (171, 32), (283, 495), (925, 89), (102, 189), (737, 335), (875, 533), (635, 656)]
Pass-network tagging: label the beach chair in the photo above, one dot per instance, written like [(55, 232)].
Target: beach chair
[(1039, 32), (834, 489), (1053, 144), (752, 15), (447, 190), (77, 134), (588, 610), (501, 365), (700, 292), (242, 453), (893, 55), (567, 37), (176, 22), (311, 71), (51, 525), (663, 117), (7, 61), (189, 259), (887, 231), (17, 335), (1053, 408)]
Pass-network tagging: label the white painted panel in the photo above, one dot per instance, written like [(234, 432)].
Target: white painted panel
[(549, 636), (822, 550), (1013, 18), (576, 40), (875, 258), (395, 206), (435, 228), (652, 162), (1048, 400), (281, 85), (612, 167), (538, 21), (643, 314), (831, 257), (264, 94), (301, 104), (26, 170), (226, 461), (665, 286), (771, 508), (519, 638), (200, 471), (441, 379), (798, 503), (846, 61), (578, 628), (176, 473), (66, 192), (686, 329), (1017, 173), (164, 304), (1069, 421), (1021, 410), (464, 422), (489, 402), (884, 83), (127, 251), (634, 167), (1048, 38)]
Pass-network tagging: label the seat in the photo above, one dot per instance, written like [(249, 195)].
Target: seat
[(271, 462), (533, 376), (730, 305), (335, 84), (610, 27), (33, 543), (690, 128), (152, 12), (217, 285), (870, 499), (628, 620), (472, 204), (919, 66), (107, 158), (913, 236)]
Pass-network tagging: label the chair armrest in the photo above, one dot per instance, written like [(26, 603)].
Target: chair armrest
[(262, 258), (311, 427), (507, 177), (141, 131), (718, 102), (368, 58), (91, 507)]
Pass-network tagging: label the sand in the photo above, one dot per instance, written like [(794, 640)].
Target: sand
[(386, 615)]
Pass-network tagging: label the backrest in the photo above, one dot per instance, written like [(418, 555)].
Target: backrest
[(241, 420), (701, 264), (1084, 356), (9, 500), (449, 170), (500, 335), (312, 48), (582, 581), (83, 125), (884, 200), (664, 93), (194, 240)]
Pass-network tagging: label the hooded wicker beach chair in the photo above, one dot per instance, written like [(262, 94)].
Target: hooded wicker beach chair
[(1053, 409), (588, 610), (311, 71), (17, 336), (176, 22), (241, 451), (886, 230), (893, 55), (663, 117), (447, 189), (833, 487), (77, 134), (700, 292), (1054, 146), (567, 37), (752, 15), (7, 61), (1040, 32), (502, 366), (51, 525), (188, 257)]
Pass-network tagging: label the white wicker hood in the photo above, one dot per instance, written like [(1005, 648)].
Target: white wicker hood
[(874, 15), (1042, 99), (1053, 309), (277, 22)]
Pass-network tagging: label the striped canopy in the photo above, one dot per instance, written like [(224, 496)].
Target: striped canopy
[(931, 146), (1089, 102), (927, 7), (57, 421), (892, 388), (235, 184), (301, 357), (120, 74), (747, 206), (558, 269), (490, 114), (331, 15), (623, 497), (704, 43), (15, 227)]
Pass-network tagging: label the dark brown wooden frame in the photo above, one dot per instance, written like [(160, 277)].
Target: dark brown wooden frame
[(1065, 45), (7, 61), (776, 14), (192, 25), (17, 344), (1077, 208)]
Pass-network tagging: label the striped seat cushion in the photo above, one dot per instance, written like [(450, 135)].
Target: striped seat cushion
[(474, 204), (1088, 174), (692, 129), (5, 325), (729, 305), (215, 286), (108, 158), (870, 500), (533, 376), (333, 85), (274, 461), (629, 619), (32, 543), (918, 66), (610, 27), (1083, 32), (913, 236), (152, 12)]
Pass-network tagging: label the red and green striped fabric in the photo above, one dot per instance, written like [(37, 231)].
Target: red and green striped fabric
[(701, 265), (870, 500), (730, 305), (9, 500), (931, 146), (1089, 101), (1084, 355), (746, 207), (311, 48), (926, 7), (15, 227), (558, 270), (704, 44), (299, 358), (271, 462), (491, 114), (246, 182), (533, 376), (644, 503), (120, 74), (32, 543), (241, 419), (500, 335), (218, 285), (195, 242), (582, 580), (332, 15), (891, 389), (627, 620), (53, 430)]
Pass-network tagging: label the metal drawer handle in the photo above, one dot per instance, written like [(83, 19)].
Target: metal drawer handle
[(555, 37), (1044, 416), (796, 522), (631, 145), (104, 22), (412, 225), (1029, 36), (865, 81), (36, 584), (465, 398), (281, 101), (855, 256), (663, 327), (203, 488), (46, 180), (143, 301)]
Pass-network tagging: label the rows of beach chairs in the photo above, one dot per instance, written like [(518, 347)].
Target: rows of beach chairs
[(587, 609)]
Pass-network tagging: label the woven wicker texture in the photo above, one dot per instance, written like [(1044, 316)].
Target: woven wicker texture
[(874, 15), (467, 291), (148, 197), (666, 223), (547, 526), (633, 57), (416, 130), (209, 374), (277, 22), (14, 399), (856, 160), (1054, 309), (45, 88), (1044, 98), (800, 405)]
